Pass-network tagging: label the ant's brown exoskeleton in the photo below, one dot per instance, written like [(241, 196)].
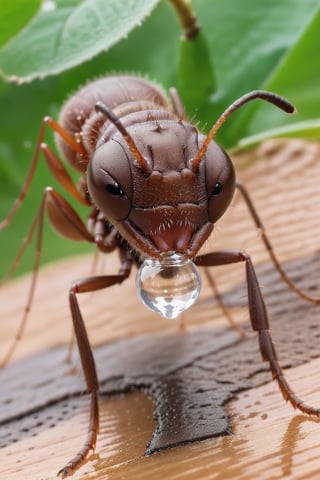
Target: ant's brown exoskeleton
[(154, 186)]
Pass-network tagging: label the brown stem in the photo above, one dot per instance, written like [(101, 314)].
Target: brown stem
[(187, 18)]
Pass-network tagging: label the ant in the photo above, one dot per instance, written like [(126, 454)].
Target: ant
[(154, 187)]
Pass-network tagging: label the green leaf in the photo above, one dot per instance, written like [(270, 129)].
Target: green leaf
[(249, 42), (195, 73), (15, 15), (69, 34), (297, 78)]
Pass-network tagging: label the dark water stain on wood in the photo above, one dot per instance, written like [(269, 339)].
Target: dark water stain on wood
[(189, 375)]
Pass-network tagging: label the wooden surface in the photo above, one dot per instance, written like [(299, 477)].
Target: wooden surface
[(269, 440)]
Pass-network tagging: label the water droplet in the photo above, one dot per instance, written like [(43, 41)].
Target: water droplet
[(169, 285)]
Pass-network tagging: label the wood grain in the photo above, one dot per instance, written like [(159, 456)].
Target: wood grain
[(269, 440)]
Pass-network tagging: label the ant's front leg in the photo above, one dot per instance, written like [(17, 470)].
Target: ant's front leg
[(90, 284), (259, 321)]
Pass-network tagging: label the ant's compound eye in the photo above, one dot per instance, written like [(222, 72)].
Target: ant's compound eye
[(220, 181), (109, 181), (114, 189), (217, 189)]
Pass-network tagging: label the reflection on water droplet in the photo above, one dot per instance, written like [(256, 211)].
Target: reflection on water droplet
[(169, 285)]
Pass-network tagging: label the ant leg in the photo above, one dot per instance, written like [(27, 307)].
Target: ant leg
[(55, 165), (259, 322), (221, 304), (65, 220), (61, 174), (86, 355), (71, 343), (270, 249)]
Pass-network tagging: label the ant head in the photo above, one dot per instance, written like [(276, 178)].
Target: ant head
[(165, 207), (166, 193)]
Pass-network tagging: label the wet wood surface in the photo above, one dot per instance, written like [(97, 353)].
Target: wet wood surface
[(44, 411)]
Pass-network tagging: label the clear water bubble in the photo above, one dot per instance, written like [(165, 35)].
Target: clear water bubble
[(169, 285)]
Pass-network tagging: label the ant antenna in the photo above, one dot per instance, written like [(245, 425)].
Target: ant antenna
[(276, 100), (143, 164)]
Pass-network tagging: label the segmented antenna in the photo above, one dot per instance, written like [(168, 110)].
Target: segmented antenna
[(143, 164), (276, 100)]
